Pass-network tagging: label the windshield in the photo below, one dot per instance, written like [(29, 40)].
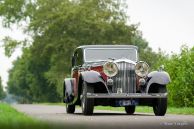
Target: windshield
[(104, 54)]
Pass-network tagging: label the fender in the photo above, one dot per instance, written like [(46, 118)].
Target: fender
[(92, 77), (68, 90), (158, 77)]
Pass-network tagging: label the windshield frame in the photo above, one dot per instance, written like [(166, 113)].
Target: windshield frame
[(133, 48)]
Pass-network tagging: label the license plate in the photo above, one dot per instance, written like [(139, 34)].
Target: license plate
[(126, 102)]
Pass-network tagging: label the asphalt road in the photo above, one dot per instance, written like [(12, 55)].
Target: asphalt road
[(106, 119)]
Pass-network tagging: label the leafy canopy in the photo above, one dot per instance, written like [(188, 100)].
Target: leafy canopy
[(57, 27)]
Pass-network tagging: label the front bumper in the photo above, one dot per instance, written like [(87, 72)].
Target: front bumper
[(127, 95)]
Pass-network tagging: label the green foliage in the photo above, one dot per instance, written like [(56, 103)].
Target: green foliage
[(2, 93), (27, 82), (181, 70), (57, 27), (10, 45)]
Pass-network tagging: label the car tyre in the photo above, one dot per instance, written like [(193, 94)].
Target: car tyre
[(160, 104), (87, 104), (130, 109), (70, 109)]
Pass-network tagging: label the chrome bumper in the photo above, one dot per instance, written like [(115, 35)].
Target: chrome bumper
[(129, 95)]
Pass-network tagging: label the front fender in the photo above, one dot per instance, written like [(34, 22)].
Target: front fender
[(92, 77), (69, 89), (157, 77)]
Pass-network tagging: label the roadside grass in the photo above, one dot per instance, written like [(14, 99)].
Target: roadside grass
[(47, 103), (12, 119), (146, 109)]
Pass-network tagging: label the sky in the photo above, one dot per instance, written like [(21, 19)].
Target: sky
[(5, 62), (165, 24)]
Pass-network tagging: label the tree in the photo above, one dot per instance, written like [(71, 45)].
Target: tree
[(181, 70), (27, 83), (2, 93), (57, 27)]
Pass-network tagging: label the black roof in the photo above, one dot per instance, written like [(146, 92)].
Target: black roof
[(108, 46)]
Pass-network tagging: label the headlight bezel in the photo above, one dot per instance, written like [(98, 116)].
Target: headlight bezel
[(141, 69), (107, 70)]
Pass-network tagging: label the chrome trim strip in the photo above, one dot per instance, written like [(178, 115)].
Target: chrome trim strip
[(125, 60), (130, 95)]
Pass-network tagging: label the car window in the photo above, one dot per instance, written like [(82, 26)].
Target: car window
[(78, 57), (94, 54)]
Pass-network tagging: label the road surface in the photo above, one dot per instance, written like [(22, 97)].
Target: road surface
[(105, 119)]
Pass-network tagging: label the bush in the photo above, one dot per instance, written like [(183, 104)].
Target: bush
[(181, 70)]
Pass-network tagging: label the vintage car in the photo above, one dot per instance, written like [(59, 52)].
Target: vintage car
[(111, 75)]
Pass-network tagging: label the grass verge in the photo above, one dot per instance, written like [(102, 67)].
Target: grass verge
[(12, 119), (146, 109)]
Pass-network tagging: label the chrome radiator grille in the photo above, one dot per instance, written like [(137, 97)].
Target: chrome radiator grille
[(125, 80)]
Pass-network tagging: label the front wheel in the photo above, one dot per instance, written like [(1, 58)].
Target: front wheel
[(87, 104), (130, 109), (70, 108), (160, 104)]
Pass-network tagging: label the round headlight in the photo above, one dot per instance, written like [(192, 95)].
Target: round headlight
[(110, 69), (141, 69)]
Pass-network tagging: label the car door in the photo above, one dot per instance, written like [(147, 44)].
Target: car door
[(77, 62)]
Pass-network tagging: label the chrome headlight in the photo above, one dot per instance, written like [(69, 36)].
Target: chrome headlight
[(141, 69), (110, 69)]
